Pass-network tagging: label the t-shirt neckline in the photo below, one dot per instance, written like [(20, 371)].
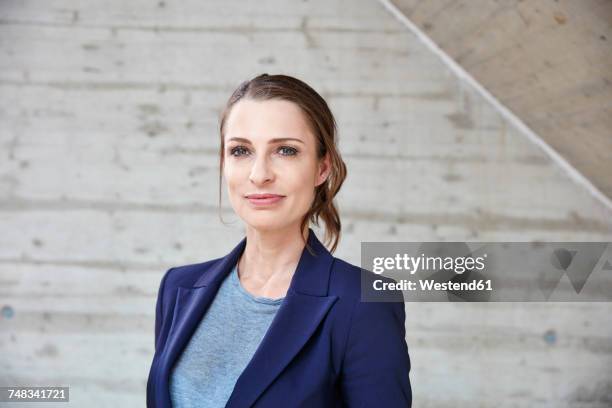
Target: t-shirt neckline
[(259, 299)]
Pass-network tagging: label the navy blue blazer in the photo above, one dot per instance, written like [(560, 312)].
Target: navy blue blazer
[(324, 347)]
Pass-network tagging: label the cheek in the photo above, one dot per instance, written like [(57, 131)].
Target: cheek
[(304, 185), (232, 175)]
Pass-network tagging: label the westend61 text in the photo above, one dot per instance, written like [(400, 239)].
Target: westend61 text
[(430, 284)]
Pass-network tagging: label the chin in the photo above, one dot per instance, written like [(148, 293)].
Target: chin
[(266, 226), (265, 219)]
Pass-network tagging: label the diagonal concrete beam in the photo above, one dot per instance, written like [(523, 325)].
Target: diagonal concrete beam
[(510, 54)]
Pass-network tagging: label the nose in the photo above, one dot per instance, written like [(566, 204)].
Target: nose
[(261, 171)]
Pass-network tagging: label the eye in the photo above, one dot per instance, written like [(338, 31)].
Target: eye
[(237, 149), (290, 151)]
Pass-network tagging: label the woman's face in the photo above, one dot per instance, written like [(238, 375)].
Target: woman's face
[(269, 149)]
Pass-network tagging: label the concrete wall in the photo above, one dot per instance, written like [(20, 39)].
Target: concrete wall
[(108, 128)]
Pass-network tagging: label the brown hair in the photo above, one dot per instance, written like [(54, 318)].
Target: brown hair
[(323, 125)]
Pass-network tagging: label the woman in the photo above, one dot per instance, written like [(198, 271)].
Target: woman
[(278, 321)]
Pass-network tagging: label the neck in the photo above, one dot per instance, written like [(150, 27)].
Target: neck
[(270, 258)]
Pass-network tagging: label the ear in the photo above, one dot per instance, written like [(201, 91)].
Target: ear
[(324, 169)]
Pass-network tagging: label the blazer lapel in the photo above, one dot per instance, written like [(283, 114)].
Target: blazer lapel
[(304, 307), (191, 304)]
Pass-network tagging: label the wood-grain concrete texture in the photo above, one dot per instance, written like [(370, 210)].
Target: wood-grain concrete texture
[(550, 62), (108, 126)]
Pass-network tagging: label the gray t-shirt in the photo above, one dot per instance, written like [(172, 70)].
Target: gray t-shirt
[(221, 347)]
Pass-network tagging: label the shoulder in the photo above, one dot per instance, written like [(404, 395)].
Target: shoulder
[(186, 275), (373, 361), (348, 281), (362, 325)]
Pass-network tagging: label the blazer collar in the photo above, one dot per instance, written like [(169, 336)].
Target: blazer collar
[(304, 307), (311, 276)]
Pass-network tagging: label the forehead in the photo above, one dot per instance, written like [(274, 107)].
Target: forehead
[(263, 120)]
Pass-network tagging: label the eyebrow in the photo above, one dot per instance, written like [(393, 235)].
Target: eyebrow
[(276, 140)]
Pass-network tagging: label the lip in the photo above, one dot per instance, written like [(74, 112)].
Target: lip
[(260, 200)]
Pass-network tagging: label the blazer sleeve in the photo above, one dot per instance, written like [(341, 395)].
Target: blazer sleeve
[(376, 365), (159, 310)]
